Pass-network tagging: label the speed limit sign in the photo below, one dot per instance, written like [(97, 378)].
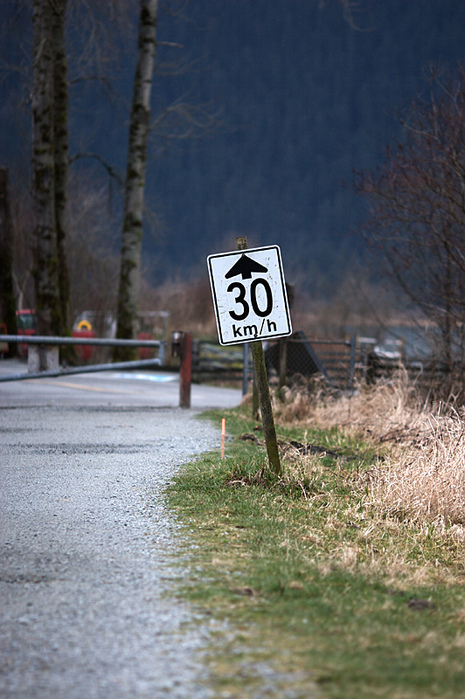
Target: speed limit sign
[(249, 295)]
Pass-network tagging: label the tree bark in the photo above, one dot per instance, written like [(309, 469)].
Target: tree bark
[(61, 155), (45, 243), (7, 295), (129, 281)]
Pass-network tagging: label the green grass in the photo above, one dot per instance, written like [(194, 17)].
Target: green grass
[(310, 591)]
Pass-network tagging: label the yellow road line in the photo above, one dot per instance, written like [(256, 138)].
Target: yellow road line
[(80, 387)]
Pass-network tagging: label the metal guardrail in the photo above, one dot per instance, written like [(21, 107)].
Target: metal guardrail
[(47, 340), (91, 368), (103, 341)]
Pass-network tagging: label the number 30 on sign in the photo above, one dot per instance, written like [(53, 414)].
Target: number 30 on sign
[(249, 295)]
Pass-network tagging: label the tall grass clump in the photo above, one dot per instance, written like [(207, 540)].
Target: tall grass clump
[(425, 481), (421, 475), (385, 410)]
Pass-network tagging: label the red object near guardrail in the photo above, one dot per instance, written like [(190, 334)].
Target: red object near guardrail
[(145, 352), (26, 322), (84, 352)]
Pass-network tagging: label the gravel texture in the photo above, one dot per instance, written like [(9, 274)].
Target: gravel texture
[(85, 554)]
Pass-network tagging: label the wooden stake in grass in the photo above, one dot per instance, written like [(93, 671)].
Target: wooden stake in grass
[(223, 433), (263, 390)]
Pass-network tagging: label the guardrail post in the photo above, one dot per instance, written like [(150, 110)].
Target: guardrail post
[(185, 374), (42, 358), (162, 353)]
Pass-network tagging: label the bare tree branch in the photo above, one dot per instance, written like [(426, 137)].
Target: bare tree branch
[(95, 156), (417, 202)]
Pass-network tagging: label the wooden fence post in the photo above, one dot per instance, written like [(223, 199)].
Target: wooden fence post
[(185, 372)]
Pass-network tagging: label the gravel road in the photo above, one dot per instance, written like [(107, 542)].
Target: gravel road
[(85, 542)]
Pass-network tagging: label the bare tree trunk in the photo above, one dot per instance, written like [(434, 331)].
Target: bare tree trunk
[(7, 296), (129, 282), (45, 244), (61, 154)]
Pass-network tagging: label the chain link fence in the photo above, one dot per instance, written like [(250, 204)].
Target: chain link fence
[(287, 360), (297, 356)]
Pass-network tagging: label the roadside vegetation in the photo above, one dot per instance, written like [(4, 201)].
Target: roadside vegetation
[(345, 576)]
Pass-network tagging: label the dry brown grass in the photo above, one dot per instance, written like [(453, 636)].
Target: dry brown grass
[(361, 535), (425, 480), (390, 410), (422, 477)]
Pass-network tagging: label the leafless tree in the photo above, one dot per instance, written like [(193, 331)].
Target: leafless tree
[(129, 280), (49, 161), (93, 261), (61, 154), (417, 209), (23, 261)]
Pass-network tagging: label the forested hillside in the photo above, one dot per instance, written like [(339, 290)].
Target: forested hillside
[(302, 95)]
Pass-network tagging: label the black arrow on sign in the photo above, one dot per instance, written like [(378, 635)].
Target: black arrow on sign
[(244, 266)]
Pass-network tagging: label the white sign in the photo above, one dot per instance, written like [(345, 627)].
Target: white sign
[(249, 295)]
